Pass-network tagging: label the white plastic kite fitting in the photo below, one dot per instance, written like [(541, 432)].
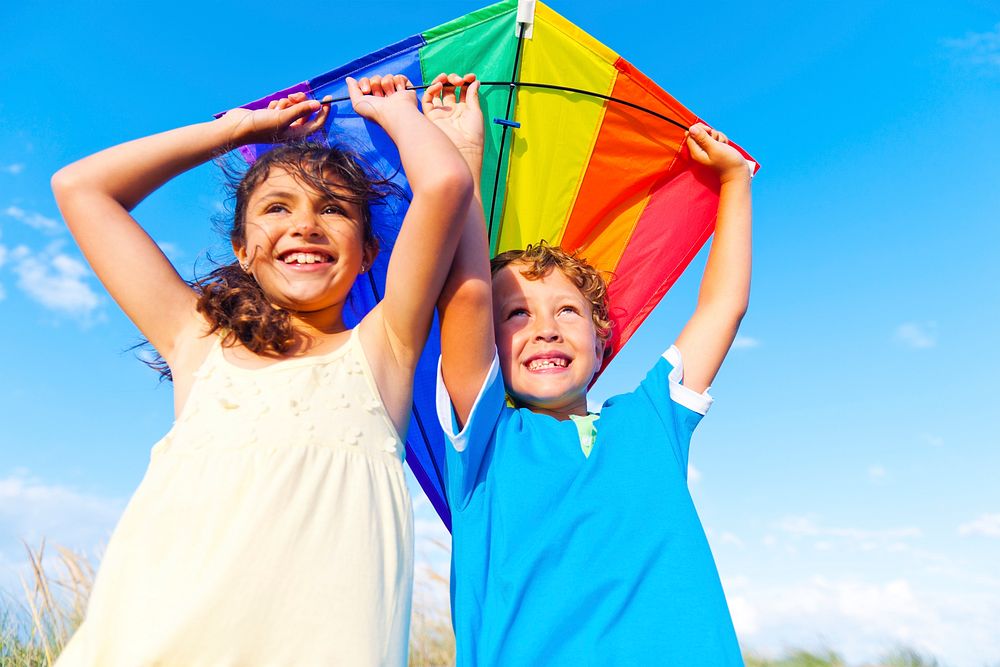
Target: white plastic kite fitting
[(525, 17)]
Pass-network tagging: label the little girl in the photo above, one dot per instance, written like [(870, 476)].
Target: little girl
[(273, 525)]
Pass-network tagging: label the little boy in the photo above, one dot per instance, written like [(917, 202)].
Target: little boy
[(575, 540)]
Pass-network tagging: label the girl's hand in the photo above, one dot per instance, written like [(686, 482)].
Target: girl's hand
[(711, 148), (287, 119), (456, 113), (380, 98)]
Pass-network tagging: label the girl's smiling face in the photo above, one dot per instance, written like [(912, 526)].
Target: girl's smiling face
[(548, 344), (303, 247)]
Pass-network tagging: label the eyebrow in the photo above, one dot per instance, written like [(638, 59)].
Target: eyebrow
[(269, 195), (276, 194)]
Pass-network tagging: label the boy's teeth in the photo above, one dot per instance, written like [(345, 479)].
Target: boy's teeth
[(539, 364)]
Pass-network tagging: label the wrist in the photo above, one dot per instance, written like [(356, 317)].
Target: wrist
[(232, 130), (395, 119), (473, 157), (737, 174)]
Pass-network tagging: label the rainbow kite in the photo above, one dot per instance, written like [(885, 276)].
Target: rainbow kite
[(582, 150)]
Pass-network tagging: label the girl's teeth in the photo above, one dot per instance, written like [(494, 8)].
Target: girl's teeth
[(303, 258)]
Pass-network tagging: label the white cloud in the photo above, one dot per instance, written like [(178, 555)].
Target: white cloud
[(731, 538), (745, 342), (3, 255), (12, 169), (32, 509), (33, 219), (171, 250), (978, 48), (986, 525), (917, 336), (432, 557), (56, 280), (694, 475), (800, 526), (876, 472), (932, 440), (863, 619)]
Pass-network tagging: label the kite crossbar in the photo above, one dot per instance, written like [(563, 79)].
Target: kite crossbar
[(552, 86)]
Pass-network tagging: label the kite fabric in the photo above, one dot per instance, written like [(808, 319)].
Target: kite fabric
[(612, 180)]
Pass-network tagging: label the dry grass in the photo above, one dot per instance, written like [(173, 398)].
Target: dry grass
[(901, 657), (34, 631), (432, 643)]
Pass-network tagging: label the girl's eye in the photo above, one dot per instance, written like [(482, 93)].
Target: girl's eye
[(333, 210), (276, 208), (517, 312), (569, 309)]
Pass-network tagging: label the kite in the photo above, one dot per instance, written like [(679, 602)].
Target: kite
[(582, 150)]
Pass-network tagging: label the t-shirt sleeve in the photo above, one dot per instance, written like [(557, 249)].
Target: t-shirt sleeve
[(467, 448), (678, 407)]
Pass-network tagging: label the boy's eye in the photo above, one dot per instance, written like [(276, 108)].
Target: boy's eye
[(569, 309), (517, 312)]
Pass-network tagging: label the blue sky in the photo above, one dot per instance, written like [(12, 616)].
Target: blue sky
[(846, 474)]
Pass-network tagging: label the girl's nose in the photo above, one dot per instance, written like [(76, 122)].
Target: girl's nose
[(307, 226)]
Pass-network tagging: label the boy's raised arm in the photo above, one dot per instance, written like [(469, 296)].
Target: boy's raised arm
[(442, 188), (725, 287), (466, 303)]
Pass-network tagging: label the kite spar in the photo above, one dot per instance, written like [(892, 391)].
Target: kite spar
[(582, 150)]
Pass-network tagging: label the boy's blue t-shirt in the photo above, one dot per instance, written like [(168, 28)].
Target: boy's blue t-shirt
[(562, 559)]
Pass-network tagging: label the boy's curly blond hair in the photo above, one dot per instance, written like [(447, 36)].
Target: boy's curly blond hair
[(541, 258)]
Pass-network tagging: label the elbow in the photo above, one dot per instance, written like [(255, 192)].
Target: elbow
[(453, 183), (467, 294), (64, 183)]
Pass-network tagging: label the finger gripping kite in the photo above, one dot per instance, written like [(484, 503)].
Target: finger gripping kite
[(559, 136)]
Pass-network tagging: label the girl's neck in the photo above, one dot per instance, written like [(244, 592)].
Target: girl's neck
[(311, 329)]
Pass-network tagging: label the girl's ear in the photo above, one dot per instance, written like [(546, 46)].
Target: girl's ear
[(371, 251), (240, 252)]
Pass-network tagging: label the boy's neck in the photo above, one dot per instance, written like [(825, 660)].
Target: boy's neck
[(577, 408)]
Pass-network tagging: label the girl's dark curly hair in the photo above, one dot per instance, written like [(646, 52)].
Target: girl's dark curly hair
[(228, 297)]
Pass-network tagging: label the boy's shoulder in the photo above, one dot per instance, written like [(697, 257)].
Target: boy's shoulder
[(663, 388)]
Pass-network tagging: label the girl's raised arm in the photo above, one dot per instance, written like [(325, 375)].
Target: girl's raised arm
[(442, 187), (725, 287), (96, 194)]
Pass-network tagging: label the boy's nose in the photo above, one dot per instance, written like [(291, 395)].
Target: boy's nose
[(546, 330)]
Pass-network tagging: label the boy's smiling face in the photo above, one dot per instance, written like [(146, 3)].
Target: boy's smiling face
[(548, 344)]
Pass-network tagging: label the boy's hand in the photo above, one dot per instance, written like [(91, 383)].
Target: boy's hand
[(379, 98), (286, 119), (711, 148), (457, 114)]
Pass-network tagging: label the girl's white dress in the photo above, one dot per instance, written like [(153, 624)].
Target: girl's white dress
[(273, 527)]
